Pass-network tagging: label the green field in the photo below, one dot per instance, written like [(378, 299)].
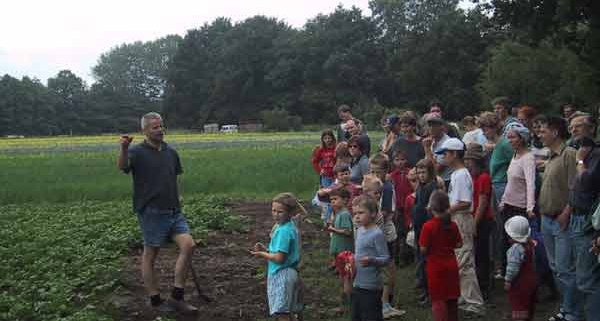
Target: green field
[(67, 220)]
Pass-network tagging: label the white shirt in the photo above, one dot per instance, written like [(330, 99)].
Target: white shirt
[(474, 136), (461, 187)]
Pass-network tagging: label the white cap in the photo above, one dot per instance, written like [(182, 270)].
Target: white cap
[(517, 227), (451, 144)]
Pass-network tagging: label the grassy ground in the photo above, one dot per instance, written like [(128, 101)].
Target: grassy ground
[(257, 173)]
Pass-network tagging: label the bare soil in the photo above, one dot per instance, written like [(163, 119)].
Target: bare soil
[(228, 274), (236, 282)]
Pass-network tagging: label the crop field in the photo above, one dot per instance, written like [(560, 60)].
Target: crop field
[(70, 244)]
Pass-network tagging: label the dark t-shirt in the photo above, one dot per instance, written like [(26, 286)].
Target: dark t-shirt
[(154, 176), (413, 149)]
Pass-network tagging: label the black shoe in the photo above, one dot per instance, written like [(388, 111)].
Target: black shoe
[(182, 306)]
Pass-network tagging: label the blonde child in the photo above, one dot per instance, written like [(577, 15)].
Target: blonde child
[(520, 280), (438, 240), (341, 240), (370, 257), (284, 287), (375, 188)]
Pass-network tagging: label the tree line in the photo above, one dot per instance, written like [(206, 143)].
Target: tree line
[(403, 55)]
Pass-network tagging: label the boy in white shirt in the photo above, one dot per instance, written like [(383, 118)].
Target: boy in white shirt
[(460, 193)]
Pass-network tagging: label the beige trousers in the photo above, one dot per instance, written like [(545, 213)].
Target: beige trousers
[(470, 293)]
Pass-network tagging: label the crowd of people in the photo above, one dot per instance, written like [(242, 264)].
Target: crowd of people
[(513, 198)]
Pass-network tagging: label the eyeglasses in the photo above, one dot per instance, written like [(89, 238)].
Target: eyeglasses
[(353, 146)]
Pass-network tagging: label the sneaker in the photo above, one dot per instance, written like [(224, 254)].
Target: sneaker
[(181, 306), (557, 317), (387, 311), (398, 312)]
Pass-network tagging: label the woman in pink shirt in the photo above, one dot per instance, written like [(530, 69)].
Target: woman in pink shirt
[(519, 195)]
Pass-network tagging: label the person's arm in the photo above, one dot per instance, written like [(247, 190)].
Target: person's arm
[(382, 256), (316, 159), (514, 258), (481, 208), (589, 169), (123, 159), (278, 257), (340, 231), (529, 169), (279, 248), (571, 168), (460, 206)]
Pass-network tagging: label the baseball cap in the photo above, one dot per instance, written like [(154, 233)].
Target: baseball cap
[(451, 144), (392, 120)]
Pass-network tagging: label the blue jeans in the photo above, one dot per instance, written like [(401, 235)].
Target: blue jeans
[(325, 181), (559, 247), (587, 267)]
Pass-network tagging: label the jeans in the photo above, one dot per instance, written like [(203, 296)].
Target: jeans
[(559, 247), (587, 272), (498, 229), (326, 209)]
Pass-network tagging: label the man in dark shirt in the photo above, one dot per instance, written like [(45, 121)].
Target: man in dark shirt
[(408, 141), (155, 166), (582, 198)]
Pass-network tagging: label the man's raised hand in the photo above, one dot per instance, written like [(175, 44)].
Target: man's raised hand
[(125, 141)]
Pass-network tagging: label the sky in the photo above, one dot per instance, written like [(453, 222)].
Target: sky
[(38, 38)]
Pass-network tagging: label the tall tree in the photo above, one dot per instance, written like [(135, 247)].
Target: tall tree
[(70, 102)]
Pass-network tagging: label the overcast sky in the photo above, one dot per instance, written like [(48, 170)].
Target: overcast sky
[(38, 38)]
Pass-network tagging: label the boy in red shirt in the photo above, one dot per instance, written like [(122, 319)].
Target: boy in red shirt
[(402, 188), (482, 212)]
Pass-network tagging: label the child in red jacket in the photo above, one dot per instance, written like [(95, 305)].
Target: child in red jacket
[(323, 161)]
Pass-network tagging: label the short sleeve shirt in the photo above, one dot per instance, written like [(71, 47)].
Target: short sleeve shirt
[(284, 240), (482, 185), (154, 174), (461, 187), (340, 243)]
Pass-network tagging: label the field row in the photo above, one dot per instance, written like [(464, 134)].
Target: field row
[(71, 142), (243, 172)]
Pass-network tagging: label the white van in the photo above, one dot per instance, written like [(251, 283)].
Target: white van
[(229, 129)]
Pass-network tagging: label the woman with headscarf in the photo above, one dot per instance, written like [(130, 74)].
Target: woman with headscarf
[(519, 195)]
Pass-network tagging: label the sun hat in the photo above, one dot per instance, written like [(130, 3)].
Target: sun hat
[(451, 144), (474, 151), (517, 227)]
